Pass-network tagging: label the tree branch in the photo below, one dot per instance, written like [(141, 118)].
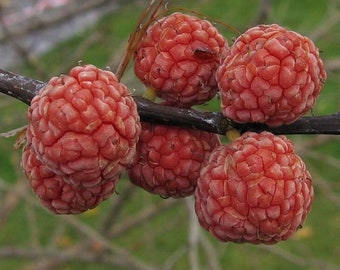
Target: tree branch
[(18, 86), (25, 88)]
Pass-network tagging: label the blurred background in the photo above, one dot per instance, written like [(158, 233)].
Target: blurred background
[(134, 229)]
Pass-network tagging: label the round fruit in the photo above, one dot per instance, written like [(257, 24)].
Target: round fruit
[(170, 158), (58, 196), (84, 125), (255, 190), (271, 75), (178, 57)]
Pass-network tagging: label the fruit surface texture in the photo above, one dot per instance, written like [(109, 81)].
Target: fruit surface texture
[(255, 190), (271, 75), (84, 125), (169, 159), (54, 192), (178, 57)]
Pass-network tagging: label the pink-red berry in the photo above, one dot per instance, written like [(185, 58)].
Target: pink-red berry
[(271, 75), (54, 192), (169, 159), (84, 125), (255, 190), (178, 57)]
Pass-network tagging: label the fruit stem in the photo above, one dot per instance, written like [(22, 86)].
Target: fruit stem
[(150, 94), (232, 134)]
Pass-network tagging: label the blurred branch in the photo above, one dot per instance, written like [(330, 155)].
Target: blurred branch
[(142, 216), (119, 253), (193, 234), (50, 258), (333, 64), (196, 238), (300, 261), (37, 253), (107, 253), (174, 257), (115, 209), (211, 252), (10, 201), (22, 52), (326, 187), (57, 15), (265, 7)]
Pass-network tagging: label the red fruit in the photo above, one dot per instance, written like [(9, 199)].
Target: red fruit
[(84, 125), (271, 75), (169, 159), (255, 190), (178, 57), (58, 196)]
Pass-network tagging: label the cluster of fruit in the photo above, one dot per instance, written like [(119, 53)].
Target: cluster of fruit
[(84, 129)]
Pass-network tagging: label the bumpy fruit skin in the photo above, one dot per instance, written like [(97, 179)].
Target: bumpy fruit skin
[(169, 159), (270, 75), (84, 125), (178, 57), (58, 196), (256, 190)]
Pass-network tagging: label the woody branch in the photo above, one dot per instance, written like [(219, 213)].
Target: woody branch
[(24, 89)]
